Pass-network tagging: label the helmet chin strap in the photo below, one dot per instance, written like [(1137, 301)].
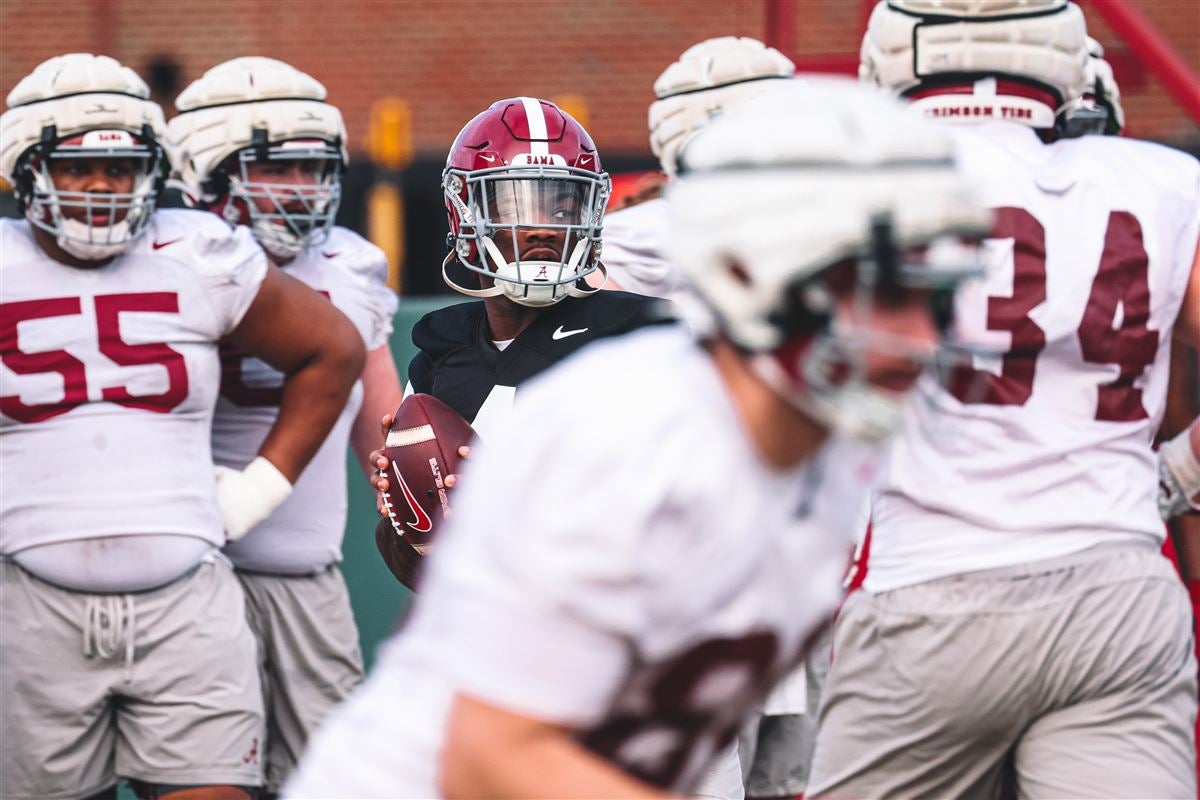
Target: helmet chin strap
[(533, 294), (452, 257), (74, 235), (277, 240)]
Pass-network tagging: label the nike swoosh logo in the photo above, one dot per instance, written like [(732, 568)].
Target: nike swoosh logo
[(161, 245), (561, 334), (422, 524), (334, 254), (488, 159)]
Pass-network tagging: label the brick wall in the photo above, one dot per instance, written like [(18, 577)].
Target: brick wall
[(449, 60)]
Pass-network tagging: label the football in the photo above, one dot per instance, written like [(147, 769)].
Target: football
[(421, 446)]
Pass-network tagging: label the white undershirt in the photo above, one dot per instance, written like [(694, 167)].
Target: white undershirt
[(115, 563), (503, 343)]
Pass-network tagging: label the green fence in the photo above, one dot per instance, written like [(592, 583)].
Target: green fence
[(377, 597)]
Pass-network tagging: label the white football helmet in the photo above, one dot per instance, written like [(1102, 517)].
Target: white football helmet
[(1099, 110), (771, 196), (82, 105), (974, 60), (708, 77), (259, 109)]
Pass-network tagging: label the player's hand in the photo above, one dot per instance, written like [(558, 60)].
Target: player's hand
[(464, 453), (380, 462), (1178, 478)]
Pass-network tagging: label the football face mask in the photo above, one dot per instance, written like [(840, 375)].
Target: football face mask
[(856, 372), (532, 231), (290, 191), (94, 225)]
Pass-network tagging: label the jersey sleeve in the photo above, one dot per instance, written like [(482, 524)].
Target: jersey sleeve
[(370, 267), (539, 604), (233, 267)]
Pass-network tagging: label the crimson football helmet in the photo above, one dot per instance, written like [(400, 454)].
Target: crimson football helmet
[(524, 165)]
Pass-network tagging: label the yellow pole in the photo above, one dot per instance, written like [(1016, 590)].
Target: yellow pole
[(389, 144)]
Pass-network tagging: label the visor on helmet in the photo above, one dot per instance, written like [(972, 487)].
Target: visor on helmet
[(501, 203)]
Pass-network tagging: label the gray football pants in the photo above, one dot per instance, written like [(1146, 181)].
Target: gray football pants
[(1073, 677)]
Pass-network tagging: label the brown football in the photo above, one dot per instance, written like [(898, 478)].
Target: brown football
[(421, 446)]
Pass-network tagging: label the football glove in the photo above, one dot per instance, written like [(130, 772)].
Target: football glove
[(1178, 477)]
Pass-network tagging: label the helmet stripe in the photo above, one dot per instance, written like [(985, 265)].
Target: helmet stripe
[(535, 116)]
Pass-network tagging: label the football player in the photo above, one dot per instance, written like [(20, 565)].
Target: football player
[(1018, 624), (654, 538), (126, 651), (707, 78), (525, 195), (771, 757), (257, 144)]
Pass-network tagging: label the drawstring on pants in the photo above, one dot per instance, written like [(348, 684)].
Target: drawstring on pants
[(110, 621)]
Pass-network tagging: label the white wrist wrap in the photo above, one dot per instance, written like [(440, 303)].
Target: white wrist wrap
[(246, 497), (1179, 477)]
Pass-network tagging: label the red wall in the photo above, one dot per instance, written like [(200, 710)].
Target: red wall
[(450, 59)]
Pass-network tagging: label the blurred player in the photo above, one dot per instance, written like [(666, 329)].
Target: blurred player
[(257, 145), (653, 539), (525, 196), (771, 759), (1018, 623), (707, 78), (126, 651)]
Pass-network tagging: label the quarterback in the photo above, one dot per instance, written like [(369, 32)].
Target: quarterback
[(525, 195)]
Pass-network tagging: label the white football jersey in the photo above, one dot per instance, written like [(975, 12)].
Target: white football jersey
[(305, 533), (109, 377), (620, 562), (1042, 447)]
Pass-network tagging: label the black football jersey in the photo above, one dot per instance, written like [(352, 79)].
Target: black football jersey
[(459, 364)]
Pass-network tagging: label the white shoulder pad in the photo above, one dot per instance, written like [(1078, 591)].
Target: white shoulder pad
[(17, 245), (230, 261), (360, 257), (367, 266), (1170, 169)]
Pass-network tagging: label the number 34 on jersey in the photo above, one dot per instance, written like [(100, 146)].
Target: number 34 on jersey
[(1095, 321)]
